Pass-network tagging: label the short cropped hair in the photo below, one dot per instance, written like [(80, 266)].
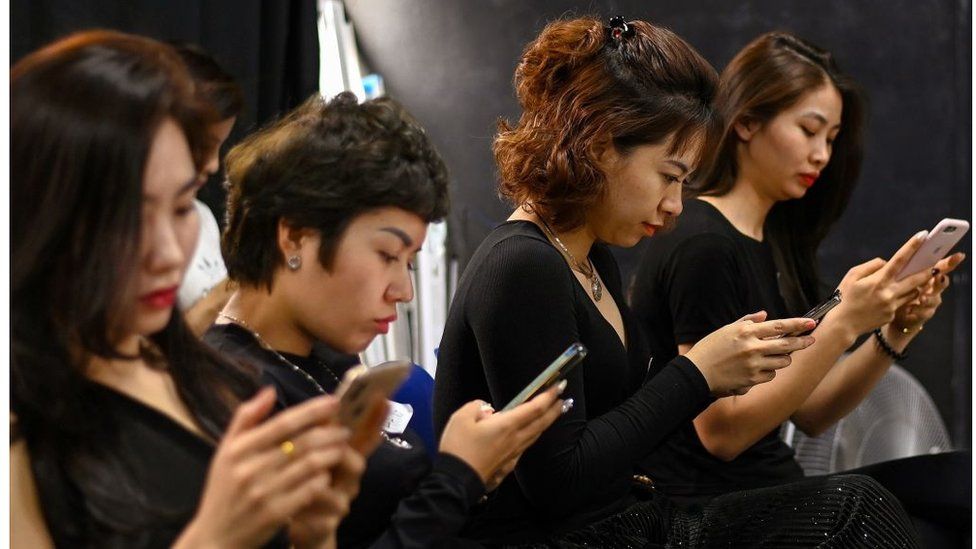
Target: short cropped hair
[(320, 167)]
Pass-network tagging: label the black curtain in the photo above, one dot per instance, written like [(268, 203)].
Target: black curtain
[(270, 46)]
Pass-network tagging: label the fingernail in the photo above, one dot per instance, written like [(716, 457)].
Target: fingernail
[(810, 340), (561, 386), (920, 235), (935, 272), (485, 407), (567, 405)]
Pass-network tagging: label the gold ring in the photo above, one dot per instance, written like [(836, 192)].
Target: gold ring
[(287, 448)]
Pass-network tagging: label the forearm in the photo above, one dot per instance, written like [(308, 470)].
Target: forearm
[(732, 425), (578, 452), (846, 385)]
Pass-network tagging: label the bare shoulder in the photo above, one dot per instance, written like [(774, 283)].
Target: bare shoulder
[(27, 528)]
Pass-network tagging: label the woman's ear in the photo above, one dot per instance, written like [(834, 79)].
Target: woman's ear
[(291, 238), (745, 128), (605, 155)]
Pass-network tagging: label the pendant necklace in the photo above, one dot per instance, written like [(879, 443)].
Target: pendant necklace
[(586, 269)]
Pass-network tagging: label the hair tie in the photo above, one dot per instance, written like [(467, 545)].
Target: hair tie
[(618, 29)]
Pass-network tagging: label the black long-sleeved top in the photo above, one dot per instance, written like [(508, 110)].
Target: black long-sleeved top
[(517, 307), (405, 501)]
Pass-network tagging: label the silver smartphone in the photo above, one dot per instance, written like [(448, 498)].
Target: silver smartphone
[(552, 375)]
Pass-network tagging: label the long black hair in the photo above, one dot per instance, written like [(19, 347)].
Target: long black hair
[(83, 114), (769, 75)]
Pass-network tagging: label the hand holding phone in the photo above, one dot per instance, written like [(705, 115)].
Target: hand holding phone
[(938, 243), (553, 374), (818, 313)]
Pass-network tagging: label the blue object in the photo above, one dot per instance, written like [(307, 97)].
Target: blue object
[(418, 392)]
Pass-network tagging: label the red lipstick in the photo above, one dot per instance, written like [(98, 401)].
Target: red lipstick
[(160, 299), (809, 179), (650, 229)]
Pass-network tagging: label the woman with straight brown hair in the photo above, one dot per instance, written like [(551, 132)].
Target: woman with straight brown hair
[(787, 164), (615, 118)]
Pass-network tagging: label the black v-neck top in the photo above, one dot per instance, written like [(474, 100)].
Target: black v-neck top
[(517, 307), (166, 462), (405, 500), (690, 282)]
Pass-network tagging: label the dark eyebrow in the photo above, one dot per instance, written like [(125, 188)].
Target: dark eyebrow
[(819, 117), (678, 164), (407, 241)]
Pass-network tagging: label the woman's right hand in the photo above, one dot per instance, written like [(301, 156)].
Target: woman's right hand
[(747, 352), (264, 472), (491, 443), (870, 294)]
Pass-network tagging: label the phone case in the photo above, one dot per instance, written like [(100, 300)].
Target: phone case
[(938, 244), (553, 373)]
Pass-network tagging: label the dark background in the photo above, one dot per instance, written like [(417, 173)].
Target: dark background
[(451, 63), (269, 46)]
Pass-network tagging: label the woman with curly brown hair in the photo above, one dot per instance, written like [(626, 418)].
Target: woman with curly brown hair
[(615, 118)]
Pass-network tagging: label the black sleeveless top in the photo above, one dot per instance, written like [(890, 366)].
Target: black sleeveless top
[(167, 468)]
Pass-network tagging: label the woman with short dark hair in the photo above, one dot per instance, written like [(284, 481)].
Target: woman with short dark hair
[(327, 209)]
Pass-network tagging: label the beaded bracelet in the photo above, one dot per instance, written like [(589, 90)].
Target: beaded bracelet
[(886, 347)]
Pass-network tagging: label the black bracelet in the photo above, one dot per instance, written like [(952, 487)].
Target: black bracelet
[(886, 347)]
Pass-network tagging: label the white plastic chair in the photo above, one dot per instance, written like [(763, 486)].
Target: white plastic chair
[(898, 419)]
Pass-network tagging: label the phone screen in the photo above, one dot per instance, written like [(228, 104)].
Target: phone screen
[(553, 374)]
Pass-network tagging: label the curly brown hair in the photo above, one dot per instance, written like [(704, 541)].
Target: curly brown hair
[(582, 88)]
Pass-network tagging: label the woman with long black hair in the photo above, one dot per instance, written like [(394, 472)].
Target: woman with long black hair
[(127, 430), (787, 163)]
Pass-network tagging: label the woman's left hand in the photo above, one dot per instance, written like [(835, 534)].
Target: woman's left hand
[(910, 317)]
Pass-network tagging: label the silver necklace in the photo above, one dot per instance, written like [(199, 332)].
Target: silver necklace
[(294, 367), (396, 441), (586, 269)]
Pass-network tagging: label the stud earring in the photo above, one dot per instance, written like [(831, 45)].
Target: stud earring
[(295, 262)]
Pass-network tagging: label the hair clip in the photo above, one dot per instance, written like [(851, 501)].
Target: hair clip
[(619, 29)]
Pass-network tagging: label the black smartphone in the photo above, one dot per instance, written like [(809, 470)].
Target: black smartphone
[(818, 313), (552, 375)]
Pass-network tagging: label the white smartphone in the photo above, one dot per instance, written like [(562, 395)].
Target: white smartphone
[(360, 383), (937, 245), (552, 375)]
